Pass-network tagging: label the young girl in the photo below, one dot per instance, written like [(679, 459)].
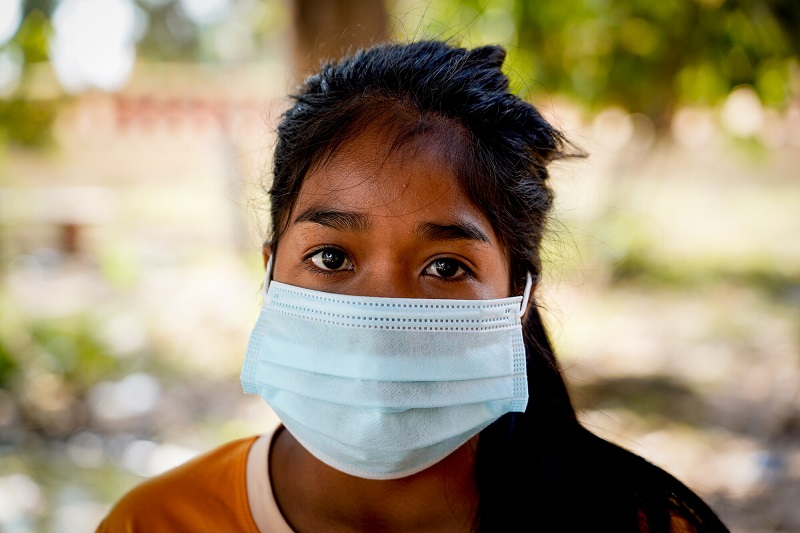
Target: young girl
[(400, 342)]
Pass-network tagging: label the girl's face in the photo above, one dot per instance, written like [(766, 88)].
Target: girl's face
[(396, 224)]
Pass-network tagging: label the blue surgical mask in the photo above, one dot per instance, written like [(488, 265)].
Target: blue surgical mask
[(382, 388)]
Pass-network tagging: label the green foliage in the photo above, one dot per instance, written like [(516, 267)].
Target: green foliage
[(24, 121), (651, 56), (33, 36), (27, 122), (71, 350), (8, 365), (66, 347), (646, 56)]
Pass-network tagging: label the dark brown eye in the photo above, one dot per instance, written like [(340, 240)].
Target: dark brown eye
[(331, 259), (445, 268)]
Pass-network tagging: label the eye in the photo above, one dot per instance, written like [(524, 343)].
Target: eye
[(331, 259), (446, 268)]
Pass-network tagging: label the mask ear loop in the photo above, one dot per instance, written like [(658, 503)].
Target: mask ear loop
[(267, 278), (526, 294)]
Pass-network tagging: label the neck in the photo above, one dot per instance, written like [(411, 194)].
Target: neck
[(313, 496)]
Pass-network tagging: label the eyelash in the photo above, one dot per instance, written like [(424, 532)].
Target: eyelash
[(315, 269), (307, 261), (466, 272)]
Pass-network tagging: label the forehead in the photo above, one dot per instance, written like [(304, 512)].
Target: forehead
[(376, 175)]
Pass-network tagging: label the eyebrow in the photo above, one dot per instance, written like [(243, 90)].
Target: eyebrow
[(449, 232), (356, 222), (340, 220)]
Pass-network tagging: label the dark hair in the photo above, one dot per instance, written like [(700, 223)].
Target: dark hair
[(540, 468)]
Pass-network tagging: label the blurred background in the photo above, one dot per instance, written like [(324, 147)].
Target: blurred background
[(135, 141)]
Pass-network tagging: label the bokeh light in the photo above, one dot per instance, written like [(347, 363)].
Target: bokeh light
[(206, 11), (10, 17), (93, 45)]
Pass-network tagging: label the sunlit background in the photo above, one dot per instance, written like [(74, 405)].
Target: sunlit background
[(135, 140)]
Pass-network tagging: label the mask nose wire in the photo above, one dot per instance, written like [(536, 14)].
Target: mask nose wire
[(267, 277)]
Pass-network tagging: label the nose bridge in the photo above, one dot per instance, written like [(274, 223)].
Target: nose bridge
[(389, 274)]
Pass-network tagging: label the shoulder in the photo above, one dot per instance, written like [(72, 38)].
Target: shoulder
[(203, 494)]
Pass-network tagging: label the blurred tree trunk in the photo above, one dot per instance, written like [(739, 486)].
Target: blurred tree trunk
[(329, 29)]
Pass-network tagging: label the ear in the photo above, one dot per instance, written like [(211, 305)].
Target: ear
[(266, 252)]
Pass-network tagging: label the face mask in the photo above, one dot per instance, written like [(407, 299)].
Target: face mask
[(382, 388)]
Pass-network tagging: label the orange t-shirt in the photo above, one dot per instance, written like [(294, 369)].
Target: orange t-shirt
[(208, 493)]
